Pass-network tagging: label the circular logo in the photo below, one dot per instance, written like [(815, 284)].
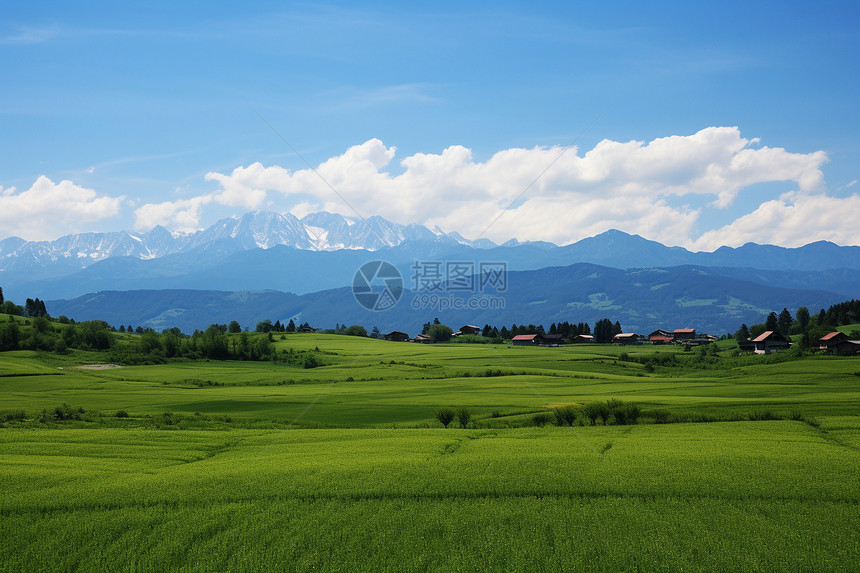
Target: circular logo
[(377, 285)]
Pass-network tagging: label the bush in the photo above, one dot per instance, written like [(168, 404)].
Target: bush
[(463, 416), (12, 416), (762, 415), (445, 416), (66, 412), (541, 419), (121, 414), (565, 415), (662, 417)]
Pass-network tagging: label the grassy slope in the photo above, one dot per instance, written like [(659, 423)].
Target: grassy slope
[(776, 495), (360, 386), (743, 496)]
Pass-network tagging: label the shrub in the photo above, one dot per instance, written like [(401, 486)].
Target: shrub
[(121, 414), (661, 417), (66, 412), (565, 415), (445, 416), (541, 419), (463, 416), (762, 415), (12, 416), (592, 412)]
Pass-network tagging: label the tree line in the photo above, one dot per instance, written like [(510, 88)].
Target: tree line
[(810, 327)]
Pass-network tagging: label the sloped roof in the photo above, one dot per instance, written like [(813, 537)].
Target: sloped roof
[(770, 334), (661, 338), (831, 336), (626, 335), (524, 337), (685, 330)]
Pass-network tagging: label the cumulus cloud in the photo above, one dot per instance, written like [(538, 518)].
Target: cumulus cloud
[(47, 209), (635, 186), (792, 220), (180, 215)]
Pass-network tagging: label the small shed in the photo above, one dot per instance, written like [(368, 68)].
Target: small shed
[(470, 329), (771, 341), (525, 340), (397, 336)]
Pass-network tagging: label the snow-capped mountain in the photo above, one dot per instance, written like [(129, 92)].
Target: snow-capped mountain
[(315, 232)]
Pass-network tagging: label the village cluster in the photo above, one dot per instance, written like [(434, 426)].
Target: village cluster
[(766, 343)]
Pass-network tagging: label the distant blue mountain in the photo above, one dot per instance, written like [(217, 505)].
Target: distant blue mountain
[(321, 251), (641, 299)]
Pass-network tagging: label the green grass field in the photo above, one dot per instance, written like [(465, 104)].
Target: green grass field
[(257, 466)]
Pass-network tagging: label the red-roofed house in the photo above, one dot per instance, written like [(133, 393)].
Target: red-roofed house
[(525, 339), (681, 334), (661, 337), (838, 343), (771, 341)]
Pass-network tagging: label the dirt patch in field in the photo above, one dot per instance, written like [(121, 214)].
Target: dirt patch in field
[(99, 366)]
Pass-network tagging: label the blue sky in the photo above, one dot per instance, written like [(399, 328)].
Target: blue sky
[(743, 117)]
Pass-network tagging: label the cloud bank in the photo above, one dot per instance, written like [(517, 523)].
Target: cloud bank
[(679, 190), (554, 193), (47, 209)]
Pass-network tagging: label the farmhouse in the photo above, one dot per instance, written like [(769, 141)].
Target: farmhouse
[(525, 339), (626, 338), (831, 339), (423, 338), (470, 329), (661, 337), (837, 343), (682, 334), (580, 338), (771, 341), (397, 336), (550, 339)]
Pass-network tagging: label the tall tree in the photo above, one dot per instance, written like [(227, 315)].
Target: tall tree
[(234, 327), (1, 295), (784, 322), (772, 322), (803, 318), (742, 334)]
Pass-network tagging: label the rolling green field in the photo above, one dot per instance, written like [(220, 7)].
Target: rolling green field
[(257, 466)]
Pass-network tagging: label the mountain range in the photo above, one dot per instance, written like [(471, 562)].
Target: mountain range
[(284, 267), (264, 250), (641, 299)]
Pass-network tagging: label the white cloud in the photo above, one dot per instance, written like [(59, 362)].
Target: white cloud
[(180, 215), (792, 220), (633, 186), (47, 209)]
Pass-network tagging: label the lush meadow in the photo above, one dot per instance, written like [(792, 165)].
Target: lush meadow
[(232, 465)]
